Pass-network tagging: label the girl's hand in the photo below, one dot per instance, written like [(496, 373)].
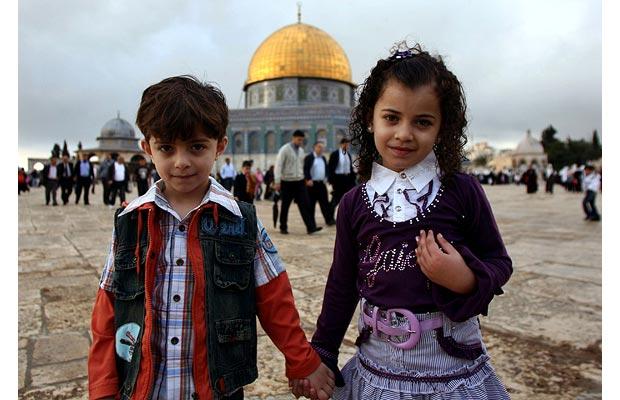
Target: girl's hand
[(443, 266)]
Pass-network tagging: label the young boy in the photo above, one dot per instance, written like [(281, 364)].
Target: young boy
[(189, 269)]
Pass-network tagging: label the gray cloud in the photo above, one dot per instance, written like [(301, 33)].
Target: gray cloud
[(523, 64)]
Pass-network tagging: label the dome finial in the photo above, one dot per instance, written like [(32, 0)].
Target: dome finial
[(299, 12), (118, 114)]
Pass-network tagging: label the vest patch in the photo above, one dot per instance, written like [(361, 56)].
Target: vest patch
[(126, 338), (268, 245)]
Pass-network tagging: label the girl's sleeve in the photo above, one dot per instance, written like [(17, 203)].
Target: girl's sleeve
[(484, 253), (341, 295)]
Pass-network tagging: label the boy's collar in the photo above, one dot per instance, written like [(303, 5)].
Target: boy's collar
[(216, 193), (419, 175)]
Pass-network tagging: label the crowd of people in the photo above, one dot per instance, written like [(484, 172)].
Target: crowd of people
[(79, 177), (297, 176)]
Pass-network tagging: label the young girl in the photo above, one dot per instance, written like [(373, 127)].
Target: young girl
[(417, 246)]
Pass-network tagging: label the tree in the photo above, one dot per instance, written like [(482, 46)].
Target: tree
[(548, 137), (56, 150), (65, 151), (596, 151)]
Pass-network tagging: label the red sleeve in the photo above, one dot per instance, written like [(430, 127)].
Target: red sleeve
[(280, 320), (102, 378)]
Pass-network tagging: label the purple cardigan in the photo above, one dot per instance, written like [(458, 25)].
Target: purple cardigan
[(375, 259)]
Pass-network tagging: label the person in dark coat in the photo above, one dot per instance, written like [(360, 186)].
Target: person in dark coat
[(104, 175), (530, 179), (84, 175), (49, 178), (65, 178), (142, 177), (245, 183), (315, 174), (268, 181), (340, 172)]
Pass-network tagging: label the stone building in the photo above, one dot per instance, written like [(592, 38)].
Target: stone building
[(117, 136), (529, 151), (298, 78)]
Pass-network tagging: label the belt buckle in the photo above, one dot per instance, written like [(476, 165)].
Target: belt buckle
[(414, 330)]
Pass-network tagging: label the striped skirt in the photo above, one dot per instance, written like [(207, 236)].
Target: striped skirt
[(381, 371)]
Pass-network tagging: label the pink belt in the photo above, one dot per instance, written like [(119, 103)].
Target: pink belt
[(378, 324)]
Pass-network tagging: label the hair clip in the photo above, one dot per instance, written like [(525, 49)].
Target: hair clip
[(400, 55)]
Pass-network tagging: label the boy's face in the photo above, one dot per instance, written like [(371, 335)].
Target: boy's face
[(185, 165)]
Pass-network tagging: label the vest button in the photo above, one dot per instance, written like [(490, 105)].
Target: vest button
[(176, 298), (174, 340), (182, 228), (180, 261)]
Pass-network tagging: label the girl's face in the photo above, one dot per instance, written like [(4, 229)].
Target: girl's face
[(405, 124)]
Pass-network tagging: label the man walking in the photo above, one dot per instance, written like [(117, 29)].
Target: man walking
[(49, 177), (142, 177), (104, 175), (84, 175), (227, 172), (289, 180), (315, 173), (118, 178), (591, 185), (340, 172), (65, 178)]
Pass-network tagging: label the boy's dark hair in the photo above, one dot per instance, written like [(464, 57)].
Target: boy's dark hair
[(176, 107), (412, 67), (299, 133)]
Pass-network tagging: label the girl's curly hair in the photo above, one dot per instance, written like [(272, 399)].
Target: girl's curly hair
[(412, 67)]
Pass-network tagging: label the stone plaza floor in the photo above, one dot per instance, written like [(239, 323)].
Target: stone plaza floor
[(543, 334)]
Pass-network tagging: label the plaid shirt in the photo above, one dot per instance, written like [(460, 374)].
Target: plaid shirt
[(172, 336)]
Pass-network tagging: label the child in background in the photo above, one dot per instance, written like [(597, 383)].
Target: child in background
[(188, 271), (417, 246)]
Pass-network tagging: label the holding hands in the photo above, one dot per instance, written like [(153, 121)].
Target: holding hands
[(318, 385), (443, 264)]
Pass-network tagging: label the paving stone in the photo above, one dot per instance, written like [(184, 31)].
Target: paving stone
[(48, 264), (53, 373), (59, 348), (75, 390), (22, 364), (29, 320), (52, 281), (68, 316)]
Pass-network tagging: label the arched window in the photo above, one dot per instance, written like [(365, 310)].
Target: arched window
[(254, 144), (270, 142), (238, 143)]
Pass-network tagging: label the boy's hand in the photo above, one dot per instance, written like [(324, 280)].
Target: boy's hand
[(301, 388), (318, 385), (443, 266)]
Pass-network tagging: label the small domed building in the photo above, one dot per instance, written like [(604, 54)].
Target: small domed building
[(117, 136), (298, 78), (529, 151)]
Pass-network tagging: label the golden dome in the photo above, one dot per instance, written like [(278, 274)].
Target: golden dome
[(301, 51)]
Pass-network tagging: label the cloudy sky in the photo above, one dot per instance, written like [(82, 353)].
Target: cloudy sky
[(524, 64)]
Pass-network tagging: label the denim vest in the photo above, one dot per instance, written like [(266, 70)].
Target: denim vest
[(228, 246)]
